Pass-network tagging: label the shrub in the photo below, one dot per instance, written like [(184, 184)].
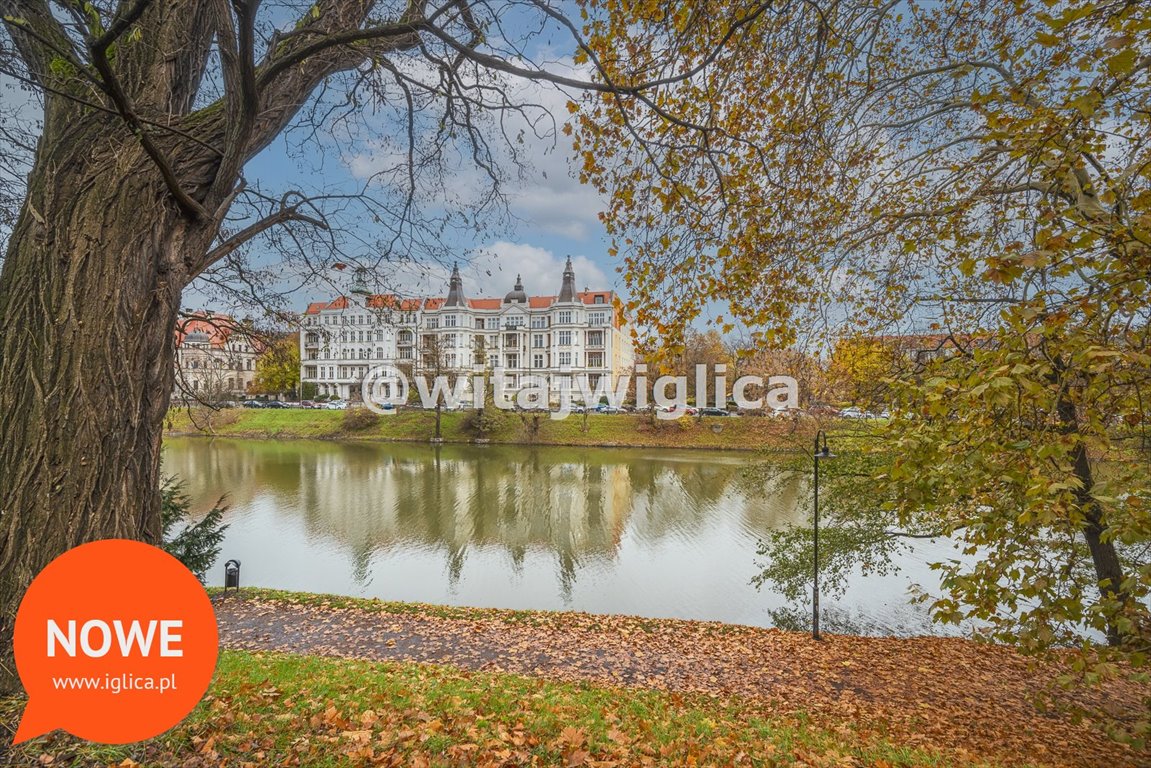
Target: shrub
[(360, 418), (481, 422), (195, 544)]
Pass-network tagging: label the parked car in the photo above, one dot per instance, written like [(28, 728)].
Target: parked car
[(856, 413), (337, 405), (714, 412), (307, 404), (276, 404), (677, 408), (608, 409), (253, 404)]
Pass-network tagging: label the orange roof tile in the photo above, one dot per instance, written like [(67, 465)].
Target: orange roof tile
[(589, 297), (412, 304), (217, 327)]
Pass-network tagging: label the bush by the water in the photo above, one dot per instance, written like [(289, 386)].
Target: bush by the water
[(359, 419), (195, 544)]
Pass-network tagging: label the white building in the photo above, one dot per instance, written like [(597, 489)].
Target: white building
[(572, 339), (215, 359)]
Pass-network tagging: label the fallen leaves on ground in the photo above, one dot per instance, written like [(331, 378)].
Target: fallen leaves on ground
[(342, 712), (968, 698), (420, 686)]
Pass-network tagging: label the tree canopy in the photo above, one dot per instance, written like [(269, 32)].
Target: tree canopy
[(975, 171)]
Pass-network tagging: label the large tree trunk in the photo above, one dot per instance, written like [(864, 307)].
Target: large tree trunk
[(89, 295)]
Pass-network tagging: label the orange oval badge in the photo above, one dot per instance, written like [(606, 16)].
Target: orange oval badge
[(115, 642)]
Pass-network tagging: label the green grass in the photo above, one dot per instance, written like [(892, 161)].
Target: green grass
[(273, 709), (745, 433)]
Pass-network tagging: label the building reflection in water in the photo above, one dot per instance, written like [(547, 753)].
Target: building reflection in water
[(602, 529)]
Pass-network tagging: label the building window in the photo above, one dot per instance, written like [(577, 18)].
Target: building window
[(595, 338), (565, 318), (595, 359), (539, 322), (479, 323), (538, 341), (565, 339), (433, 323), (538, 361), (493, 323), (565, 358), (513, 361), (449, 321), (597, 318)]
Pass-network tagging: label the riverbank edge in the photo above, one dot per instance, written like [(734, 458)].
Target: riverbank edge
[(480, 443), (756, 435), (532, 617)]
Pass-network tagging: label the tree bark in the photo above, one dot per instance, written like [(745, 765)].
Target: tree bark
[(89, 295), (1104, 556)]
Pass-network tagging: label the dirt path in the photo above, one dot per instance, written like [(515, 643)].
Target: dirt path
[(968, 698)]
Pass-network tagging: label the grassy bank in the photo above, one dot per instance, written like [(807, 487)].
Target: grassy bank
[(274, 709), (631, 430)]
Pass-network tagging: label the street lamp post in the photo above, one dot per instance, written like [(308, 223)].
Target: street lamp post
[(820, 451)]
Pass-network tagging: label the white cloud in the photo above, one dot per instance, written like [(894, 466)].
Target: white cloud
[(491, 272), (547, 197)]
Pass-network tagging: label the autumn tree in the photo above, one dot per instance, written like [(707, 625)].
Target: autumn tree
[(438, 362), (972, 169), (278, 367), (860, 367), (130, 176)]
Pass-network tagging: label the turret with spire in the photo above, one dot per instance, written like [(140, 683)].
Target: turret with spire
[(568, 289), (456, 289), (517, 295)]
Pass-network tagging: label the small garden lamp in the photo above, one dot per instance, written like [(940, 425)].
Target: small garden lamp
[(821, 451)]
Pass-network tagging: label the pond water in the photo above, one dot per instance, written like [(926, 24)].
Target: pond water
[(658, 533)]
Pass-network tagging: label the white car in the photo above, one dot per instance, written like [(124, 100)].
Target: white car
[(858, 413), (337, 405)]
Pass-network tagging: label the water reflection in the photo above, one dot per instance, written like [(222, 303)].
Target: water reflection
[(652, 532)]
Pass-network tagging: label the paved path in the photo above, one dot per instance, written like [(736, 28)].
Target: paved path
[(932, 692)]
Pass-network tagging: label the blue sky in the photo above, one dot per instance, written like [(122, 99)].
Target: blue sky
[(555, 216)]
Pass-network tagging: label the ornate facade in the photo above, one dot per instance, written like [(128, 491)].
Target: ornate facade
[(571, 339), (215, 359)]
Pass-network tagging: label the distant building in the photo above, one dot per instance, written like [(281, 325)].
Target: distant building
[(215, 360), (569, 339)]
